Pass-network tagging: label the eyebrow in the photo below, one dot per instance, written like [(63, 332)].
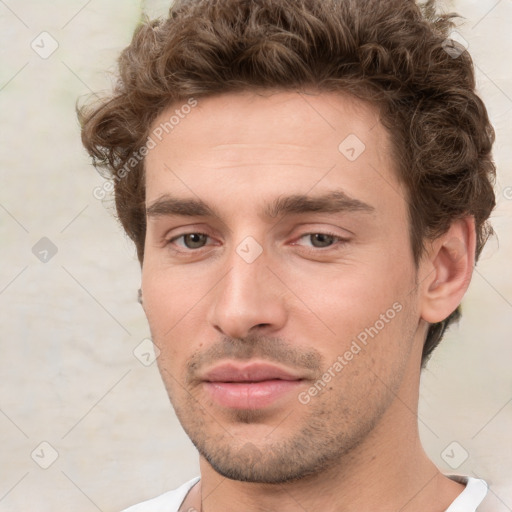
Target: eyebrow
[(335, 201)]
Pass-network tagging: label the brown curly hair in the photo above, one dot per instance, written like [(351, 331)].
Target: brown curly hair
[(392, 54)]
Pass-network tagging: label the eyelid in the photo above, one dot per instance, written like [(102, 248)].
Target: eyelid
[(340, 240), (324, 228), (179, 231), (182, 235)]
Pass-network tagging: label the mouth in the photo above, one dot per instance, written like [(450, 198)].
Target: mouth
[(250, 386)]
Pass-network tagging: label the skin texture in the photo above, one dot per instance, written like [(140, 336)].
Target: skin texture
[(300, 305)]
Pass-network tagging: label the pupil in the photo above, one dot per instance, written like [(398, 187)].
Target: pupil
[(194, 240)]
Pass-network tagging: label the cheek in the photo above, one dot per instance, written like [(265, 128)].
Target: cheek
[(344, 300), (168, 296), (157, 300), (175, 306), (367, 360)]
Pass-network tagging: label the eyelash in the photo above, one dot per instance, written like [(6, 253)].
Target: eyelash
[(337, 243)]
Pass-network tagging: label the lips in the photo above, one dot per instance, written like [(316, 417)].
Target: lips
[(253, 372), (249, 386)]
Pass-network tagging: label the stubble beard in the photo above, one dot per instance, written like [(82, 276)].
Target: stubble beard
[(321, 443)]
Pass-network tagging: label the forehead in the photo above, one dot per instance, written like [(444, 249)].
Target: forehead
[(265, 144), (307, 121)]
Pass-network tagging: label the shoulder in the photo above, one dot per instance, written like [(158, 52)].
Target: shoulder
[(165, 502)]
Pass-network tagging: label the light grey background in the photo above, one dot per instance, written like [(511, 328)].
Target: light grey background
[(70, 325)]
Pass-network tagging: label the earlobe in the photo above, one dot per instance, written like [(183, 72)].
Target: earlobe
[(450, 265)]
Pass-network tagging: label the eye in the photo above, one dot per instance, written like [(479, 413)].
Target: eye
[(190, 240), (322, 240)]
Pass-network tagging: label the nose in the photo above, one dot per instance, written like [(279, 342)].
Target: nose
[(247, 299)]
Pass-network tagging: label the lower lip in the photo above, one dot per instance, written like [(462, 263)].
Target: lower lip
[(250, 395)]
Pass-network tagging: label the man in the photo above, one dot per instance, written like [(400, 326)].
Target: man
[(307, 183)]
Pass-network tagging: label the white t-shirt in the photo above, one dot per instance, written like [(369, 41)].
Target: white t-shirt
[(468, 501)]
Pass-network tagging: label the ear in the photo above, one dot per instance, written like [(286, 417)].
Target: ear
[(447, 269)]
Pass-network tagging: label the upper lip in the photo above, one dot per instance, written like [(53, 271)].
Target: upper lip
[(250, 372)]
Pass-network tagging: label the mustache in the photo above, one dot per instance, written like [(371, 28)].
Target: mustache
[(269, 349)]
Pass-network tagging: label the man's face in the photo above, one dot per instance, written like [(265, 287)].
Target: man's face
[(278, 280)]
